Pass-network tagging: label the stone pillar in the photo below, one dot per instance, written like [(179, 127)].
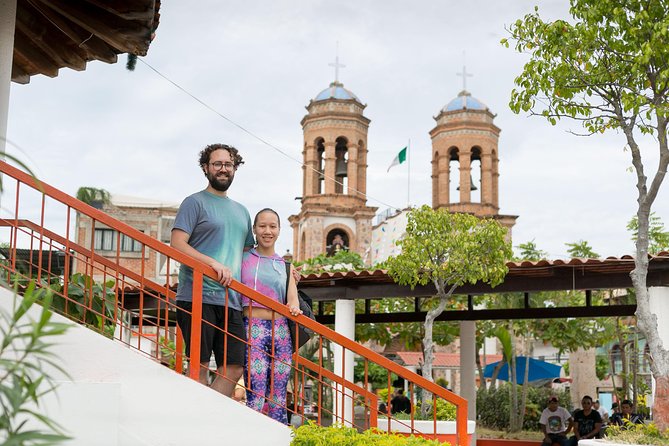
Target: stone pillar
[(583, 375), (329, 162), (465, 177), (343, 364), (7, 26), (486, 178), (352, 170), (468, 366)]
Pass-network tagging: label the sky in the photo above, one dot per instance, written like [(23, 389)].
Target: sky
[(257, 65)]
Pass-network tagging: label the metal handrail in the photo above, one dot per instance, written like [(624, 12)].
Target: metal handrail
[(201, 270)]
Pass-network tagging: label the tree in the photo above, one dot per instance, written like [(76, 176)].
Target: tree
[(609, 70), (448, 250), (658, 237), (581, 249), (93, 196)]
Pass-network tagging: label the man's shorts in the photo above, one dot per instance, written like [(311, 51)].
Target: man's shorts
[(212, 339)]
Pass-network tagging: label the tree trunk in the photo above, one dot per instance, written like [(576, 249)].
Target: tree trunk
[(523, 400), (428, 344), (646, 320), (513, 420)]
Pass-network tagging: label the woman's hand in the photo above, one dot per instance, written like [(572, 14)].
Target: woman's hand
[(294, 308)]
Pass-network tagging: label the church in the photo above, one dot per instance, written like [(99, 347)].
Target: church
[(334, 212)]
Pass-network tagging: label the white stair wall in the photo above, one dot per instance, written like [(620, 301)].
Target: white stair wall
[(115, 396)]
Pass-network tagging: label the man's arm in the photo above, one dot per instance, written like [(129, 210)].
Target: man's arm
[(570, 426), (577, 433), (595, 431), (179, 240)]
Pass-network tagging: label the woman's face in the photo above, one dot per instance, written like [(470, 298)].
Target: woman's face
[(266, 229)]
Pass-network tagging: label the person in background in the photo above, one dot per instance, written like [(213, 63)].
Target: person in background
[(626, 416), (602, 412), (400, 403), (587, 422), (556, 423), (269, 356)]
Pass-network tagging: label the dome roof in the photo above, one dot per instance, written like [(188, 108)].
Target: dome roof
[(464, 101), (336, 90)]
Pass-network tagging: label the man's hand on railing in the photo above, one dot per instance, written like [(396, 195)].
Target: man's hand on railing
[(223, 273)]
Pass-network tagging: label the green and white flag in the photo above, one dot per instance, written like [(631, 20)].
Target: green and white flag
[(399, 159)]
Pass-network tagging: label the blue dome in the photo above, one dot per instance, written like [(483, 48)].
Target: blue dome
[(336, 90), (464, 101)]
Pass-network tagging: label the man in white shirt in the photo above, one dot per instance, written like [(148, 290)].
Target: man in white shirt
[(556, 422)]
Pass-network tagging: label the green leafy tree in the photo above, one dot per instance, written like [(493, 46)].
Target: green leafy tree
[(608, 68), (448, 250), (581, 249), (530, 251), (93, 196), (658, 237)]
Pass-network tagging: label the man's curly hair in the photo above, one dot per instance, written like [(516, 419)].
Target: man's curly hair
[(205, 154)]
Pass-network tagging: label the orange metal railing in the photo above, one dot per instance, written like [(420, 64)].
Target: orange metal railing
[(107, 276)]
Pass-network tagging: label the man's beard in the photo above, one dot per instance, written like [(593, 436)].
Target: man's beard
[(221, 185)]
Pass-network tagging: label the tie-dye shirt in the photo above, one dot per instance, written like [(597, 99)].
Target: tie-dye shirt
[(266, 275)]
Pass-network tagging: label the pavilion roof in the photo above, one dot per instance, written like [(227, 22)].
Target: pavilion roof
[(53, 34)]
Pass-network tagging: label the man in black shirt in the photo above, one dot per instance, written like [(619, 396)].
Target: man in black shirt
[(400, 403), (587, 422)]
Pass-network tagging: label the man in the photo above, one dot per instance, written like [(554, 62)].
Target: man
[(626, 416), (215, 230), (400, 403), (587, 422), (602, 412), (556, 422)]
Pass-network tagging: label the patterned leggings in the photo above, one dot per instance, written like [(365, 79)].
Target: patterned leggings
[(269, 373)]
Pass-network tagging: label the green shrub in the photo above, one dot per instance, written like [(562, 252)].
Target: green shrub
[(445, 412), (492, 406), (312, 435), (637, 434)]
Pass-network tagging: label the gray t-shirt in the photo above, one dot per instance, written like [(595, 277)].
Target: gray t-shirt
[(219, 228)]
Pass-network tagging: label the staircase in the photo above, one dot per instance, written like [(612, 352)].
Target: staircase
[(109, 291)]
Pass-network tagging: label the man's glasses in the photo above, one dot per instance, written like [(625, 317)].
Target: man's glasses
[(218, 165)]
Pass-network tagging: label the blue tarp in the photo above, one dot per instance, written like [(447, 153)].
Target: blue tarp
[(539, 371)]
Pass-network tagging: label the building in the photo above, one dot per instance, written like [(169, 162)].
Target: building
[(334, 213), (154, 218)]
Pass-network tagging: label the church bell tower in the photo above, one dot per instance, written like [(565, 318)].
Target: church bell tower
[(334, 213), (465, 159)]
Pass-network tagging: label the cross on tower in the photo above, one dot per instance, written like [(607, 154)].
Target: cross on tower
[(464, 75), (337, 65)]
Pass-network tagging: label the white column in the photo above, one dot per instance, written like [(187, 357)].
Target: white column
[(7, 26), (468, 366), (343, 364), (658, 298)]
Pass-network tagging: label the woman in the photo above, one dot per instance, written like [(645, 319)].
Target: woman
[(265, 271)]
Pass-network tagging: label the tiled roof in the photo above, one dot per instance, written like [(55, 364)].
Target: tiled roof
[(520, 268), (448, 360)]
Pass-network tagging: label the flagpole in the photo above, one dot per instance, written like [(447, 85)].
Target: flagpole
[(409, 173)]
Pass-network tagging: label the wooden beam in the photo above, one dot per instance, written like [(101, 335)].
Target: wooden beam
[(49, 40), (95, 48), (123, 35), (501, 314)]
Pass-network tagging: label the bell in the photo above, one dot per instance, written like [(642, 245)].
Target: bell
[(321, 175), (341, 169), (472, 186)]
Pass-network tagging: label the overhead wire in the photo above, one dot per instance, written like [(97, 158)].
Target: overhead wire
[(257, 137)]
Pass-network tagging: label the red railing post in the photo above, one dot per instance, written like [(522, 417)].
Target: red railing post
[(196, 326)]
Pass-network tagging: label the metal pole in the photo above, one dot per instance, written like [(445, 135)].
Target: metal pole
[(7, 27)]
